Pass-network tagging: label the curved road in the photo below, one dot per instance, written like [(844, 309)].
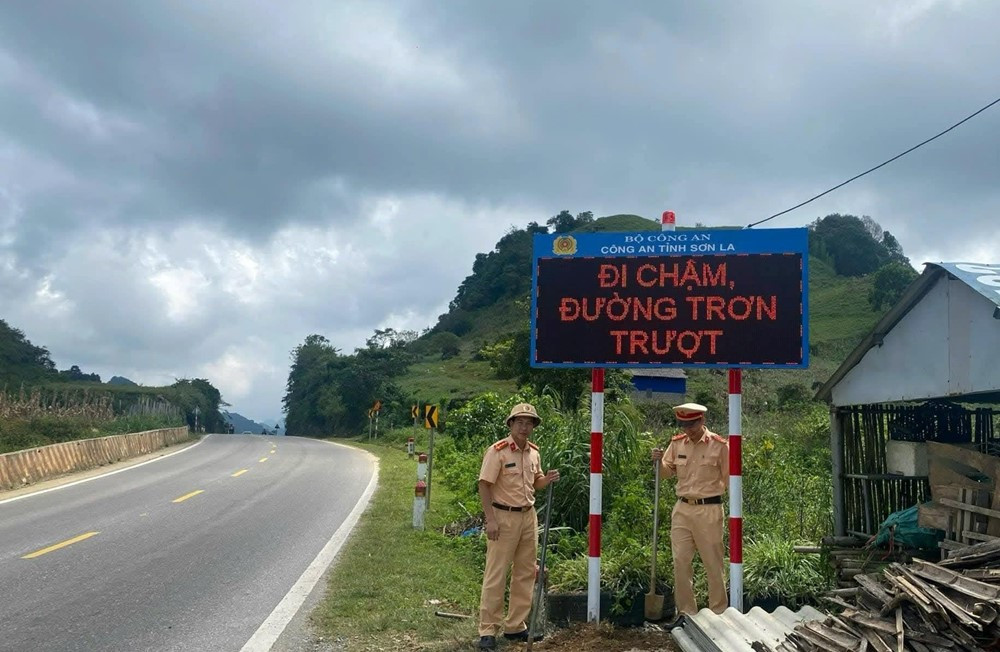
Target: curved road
[(190, 552)]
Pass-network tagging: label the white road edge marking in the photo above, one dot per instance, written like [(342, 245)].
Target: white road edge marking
[(272, 628), (103, 475)]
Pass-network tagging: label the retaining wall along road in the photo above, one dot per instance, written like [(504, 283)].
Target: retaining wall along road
[(36, 464)]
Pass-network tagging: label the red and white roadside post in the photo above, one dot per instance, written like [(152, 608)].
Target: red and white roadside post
[(419, 504), (420, 493), (422, 466), (596, 488), (736, 489)]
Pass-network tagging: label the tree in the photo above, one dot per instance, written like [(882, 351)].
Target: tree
[(496, 275), (511, 359), (329, 393), (200, 401), (889, 283), (894, 249), (450, 345), (849, 243), (312, 401), (873, 228), (389, 337), (20, 360), (74, 374), (564, 222)]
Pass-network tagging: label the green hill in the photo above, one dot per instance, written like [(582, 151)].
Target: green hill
[(839, 316)]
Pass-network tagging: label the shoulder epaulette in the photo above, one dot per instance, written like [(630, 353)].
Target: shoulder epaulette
[(719, 438), (533, 445), (500, 445), (676, 437)]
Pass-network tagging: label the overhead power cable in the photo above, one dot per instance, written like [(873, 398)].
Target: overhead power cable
[(841, 185)]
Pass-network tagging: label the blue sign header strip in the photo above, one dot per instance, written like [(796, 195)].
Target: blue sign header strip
[(658, 244), (677, 243)]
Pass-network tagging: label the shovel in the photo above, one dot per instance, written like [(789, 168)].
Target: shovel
[(654, 602), (536, 603)]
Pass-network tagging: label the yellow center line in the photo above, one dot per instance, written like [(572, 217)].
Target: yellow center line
[(67, 542), (240, 472), (190, 495), (263, 459)]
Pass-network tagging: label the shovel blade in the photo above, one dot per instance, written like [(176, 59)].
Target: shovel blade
[(654, 606)]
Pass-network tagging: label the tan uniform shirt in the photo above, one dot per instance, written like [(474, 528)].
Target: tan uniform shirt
[(701, 466), (512, 471)]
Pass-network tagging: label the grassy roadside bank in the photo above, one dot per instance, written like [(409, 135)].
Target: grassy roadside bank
[(390, 579), (386, 585)]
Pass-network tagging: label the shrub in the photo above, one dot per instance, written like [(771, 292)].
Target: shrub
[(787, 476), (19, 434), (772, 568), (787, 493)]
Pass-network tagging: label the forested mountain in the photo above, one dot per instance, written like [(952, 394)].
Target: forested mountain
[(857, 270), (242, 424), (26, 367)]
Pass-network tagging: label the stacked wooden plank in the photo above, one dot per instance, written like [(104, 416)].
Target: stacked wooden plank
[(965, 492), (922, 606), (848, 557)]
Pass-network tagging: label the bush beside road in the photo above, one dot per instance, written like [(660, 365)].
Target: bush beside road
[(389, 569)]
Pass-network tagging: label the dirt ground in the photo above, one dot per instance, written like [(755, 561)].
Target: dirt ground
[(578, 638), (602, 638), (581, 638)]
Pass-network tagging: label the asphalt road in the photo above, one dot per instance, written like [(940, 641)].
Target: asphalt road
[(148, 564)]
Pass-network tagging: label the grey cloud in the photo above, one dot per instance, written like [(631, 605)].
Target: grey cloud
[(609, 103), (142, 118)]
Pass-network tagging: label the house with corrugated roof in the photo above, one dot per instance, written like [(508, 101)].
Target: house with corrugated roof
[(929, 371)]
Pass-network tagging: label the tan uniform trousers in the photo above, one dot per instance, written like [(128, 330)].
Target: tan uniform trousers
[(698, 527), (518, 544)]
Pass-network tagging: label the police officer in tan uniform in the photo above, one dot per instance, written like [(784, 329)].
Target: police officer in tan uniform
[(510, 475), (700, 460)]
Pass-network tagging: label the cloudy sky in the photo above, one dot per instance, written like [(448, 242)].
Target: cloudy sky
[(189, 188)]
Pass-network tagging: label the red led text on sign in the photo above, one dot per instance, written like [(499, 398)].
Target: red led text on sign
[(725, 309)]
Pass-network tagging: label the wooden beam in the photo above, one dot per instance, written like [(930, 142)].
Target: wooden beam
[(965, 507), (837, 458), (968, 534)]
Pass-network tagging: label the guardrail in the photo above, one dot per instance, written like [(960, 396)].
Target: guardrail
[(33, 465)]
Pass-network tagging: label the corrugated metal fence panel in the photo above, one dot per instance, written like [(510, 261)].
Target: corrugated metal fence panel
[(36, 464), (732, 631)]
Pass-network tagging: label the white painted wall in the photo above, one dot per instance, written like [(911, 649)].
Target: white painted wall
[(984, 354), (948, 344)]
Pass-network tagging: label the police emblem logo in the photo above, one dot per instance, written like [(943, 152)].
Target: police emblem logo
[(564, 245)]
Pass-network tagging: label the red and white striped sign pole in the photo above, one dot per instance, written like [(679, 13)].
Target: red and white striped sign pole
[(596, 485), (736, 489)]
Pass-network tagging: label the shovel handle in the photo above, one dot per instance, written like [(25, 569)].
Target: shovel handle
[(540, 582), (656, 524)]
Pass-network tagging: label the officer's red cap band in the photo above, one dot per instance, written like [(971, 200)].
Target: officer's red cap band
[(689, 416)]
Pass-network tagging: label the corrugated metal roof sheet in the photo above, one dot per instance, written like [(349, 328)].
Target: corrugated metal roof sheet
[(983, 278), (732, 631)]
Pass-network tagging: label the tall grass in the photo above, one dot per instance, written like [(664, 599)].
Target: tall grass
[(38, 417), (777, 571), (787, 492), (71, 405)]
